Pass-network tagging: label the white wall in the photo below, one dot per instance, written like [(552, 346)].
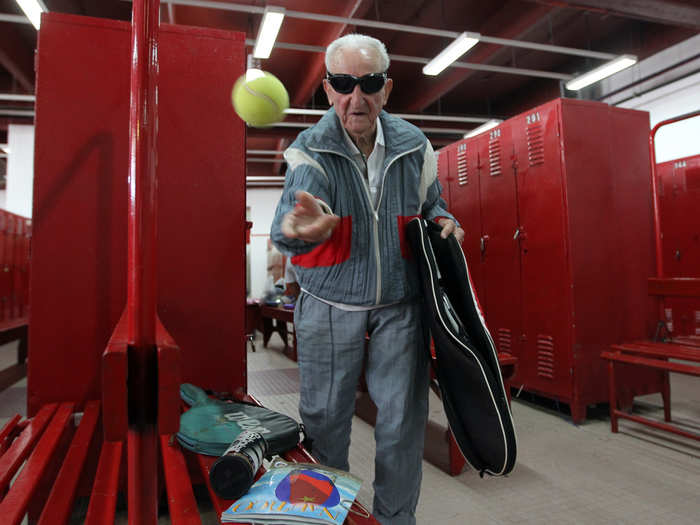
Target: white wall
[(262, 204), (681, 139), (20, 169)]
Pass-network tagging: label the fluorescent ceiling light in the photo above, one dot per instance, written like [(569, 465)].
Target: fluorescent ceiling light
[(456, 49), (253, 73), (601, 72), (267, 34), (484, 127), (33, 9)]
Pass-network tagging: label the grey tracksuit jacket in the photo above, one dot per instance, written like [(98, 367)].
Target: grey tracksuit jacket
[(366, 261)]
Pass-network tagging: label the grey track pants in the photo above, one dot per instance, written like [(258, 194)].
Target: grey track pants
[(330, 344)]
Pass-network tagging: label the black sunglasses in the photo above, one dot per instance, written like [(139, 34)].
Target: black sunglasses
[(369, 84)]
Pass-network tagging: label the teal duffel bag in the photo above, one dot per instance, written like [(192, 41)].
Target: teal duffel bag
[(211, 425)]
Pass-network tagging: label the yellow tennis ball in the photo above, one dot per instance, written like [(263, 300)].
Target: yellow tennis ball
[(259, 98)]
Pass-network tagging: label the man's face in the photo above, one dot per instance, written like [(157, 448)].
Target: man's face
[(357, 110)]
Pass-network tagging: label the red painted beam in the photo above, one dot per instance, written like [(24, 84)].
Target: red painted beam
[(513, 21), (657, 11), (16, 55), (316, 70)]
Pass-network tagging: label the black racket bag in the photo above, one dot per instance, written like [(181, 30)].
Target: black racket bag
[(466, 360)]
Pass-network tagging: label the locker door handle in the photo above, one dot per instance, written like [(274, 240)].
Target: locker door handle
[(516, 234), (484, 240)]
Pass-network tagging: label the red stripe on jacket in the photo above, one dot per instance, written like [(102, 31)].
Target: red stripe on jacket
[(333, 251), (401, 221)]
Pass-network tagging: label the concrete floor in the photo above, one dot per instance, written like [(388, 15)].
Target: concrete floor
[(565, 474)]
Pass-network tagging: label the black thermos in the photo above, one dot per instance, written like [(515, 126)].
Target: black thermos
[(232, 475)]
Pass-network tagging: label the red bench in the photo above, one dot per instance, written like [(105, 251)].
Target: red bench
[(661, 356), (15, 241), (13, 330), (59, 455)]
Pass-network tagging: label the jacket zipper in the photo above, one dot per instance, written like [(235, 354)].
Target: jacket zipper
[(375, 213)]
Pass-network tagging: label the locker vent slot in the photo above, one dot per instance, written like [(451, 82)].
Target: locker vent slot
[(545, 356), (462, 173), (535, 144), (495, 157), (504, 340)]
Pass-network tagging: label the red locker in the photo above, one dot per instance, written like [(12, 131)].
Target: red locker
[(8, 265), (565, 212), (4, 268), (79, 239), (458, 171), (443, 169), (679, 199), (499, 260), (541, 241)]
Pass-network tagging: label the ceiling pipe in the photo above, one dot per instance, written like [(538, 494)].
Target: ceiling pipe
[(17, 97), (448, 131), (423, 60), (396, 27), (16, 113), (316, 70), (18, 19), (406, 116), (512, 21), (262, 152), (307, 112)]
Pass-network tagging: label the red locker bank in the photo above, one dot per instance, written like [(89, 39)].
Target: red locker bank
[(556, 205), (678, 183)]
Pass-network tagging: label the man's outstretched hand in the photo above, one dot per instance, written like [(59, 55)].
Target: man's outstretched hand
[(307, 221)]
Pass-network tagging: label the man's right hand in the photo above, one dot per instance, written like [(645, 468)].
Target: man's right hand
[(307, 221)]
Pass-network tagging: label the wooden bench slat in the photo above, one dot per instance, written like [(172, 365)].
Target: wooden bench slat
[(181, 500), (24, 444), (670, 351), (14, 506), (652, 363), (60, 502), (103, 500)]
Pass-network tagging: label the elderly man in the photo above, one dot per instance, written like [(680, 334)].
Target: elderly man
[(353, 181)]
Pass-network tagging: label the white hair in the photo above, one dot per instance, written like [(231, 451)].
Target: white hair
[(357, 41)]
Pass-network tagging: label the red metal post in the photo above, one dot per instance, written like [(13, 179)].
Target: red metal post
[(141, 276), (654, 192), (655, 200)]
